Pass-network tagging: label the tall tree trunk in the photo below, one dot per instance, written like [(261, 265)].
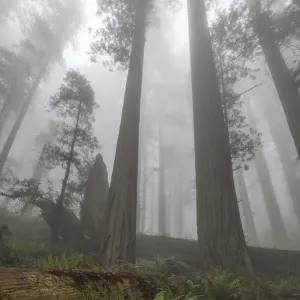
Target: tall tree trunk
[(120, 237), (284, 83), (250, 227), (5, 113), (14, 131), (144, 188), (38, 170), (162, 216), (153, 196), (280, 235), (219, 227), (139, 189), (282, 140), (61, 198), (12, 102), (178, 197)]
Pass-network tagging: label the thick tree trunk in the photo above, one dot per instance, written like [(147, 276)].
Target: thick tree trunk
[(14, 131), (120, 238), (219, 227), (250, 227), (280, 235), (284, 83), (94, 204)]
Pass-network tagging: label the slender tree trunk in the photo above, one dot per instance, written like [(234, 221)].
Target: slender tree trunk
[(282, 140), (5, 113), (284, 83), (39, 169), (219, 227), (152, 199), (280, 235), (162, 216), (9, 103), (139, 189), (120, 236), (14, 131), (144, 188), (178, 197), (70, 159), (61, 198), (250, 227)]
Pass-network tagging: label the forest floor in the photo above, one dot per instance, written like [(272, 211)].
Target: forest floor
[(267, 262), (166, 270)]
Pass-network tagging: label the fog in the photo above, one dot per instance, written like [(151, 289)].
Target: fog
[(166, 125)]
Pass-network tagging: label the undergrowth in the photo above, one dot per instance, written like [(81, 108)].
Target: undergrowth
[(179, 281)]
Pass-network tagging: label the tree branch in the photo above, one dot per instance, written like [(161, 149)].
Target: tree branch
[(20, 195), (249, 90)]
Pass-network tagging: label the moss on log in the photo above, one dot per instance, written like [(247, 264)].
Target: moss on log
[(57, 284)]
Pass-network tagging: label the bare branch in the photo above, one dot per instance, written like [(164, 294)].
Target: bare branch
[(249, 90)]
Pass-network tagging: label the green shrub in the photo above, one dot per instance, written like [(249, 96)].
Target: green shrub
[(221, 285), (286, 287)]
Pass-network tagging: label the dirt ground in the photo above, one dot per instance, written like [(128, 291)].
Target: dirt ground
[(269, 262)]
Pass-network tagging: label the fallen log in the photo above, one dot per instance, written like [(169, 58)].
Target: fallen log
[(58, 284)]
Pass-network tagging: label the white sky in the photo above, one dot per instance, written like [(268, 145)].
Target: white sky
[(78, 58)]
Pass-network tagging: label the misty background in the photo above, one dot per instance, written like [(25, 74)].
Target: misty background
[(166, 122)]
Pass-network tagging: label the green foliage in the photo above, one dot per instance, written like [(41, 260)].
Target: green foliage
[(222, 285), (230, 32), (64, 262), (114, 39), (286, 287), (74, 143), (215, 285), (72, 148), (40, 256)]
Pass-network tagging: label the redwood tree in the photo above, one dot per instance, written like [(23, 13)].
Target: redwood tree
[(120, 235), (122, 38), (219, 226)]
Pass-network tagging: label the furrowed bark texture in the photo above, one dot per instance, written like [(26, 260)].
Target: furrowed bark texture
[(119, 242), (220, 232), (286, 88)]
